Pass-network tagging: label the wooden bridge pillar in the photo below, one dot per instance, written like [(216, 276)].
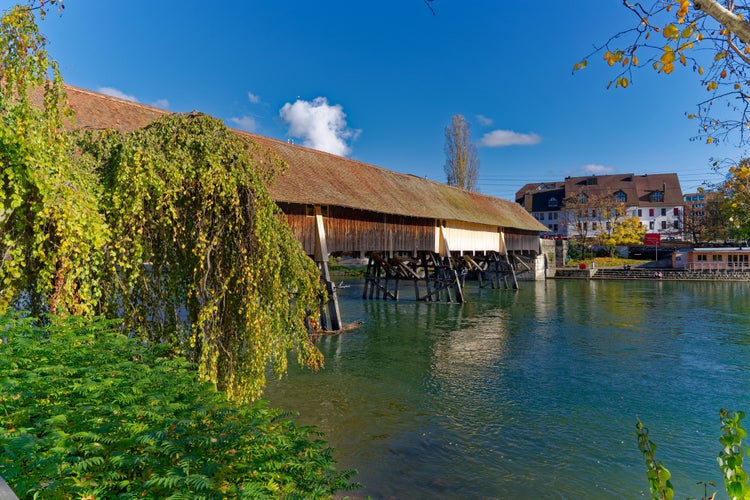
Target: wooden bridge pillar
[(330, 310)]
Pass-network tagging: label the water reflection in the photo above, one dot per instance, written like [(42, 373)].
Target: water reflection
[(531, 393)]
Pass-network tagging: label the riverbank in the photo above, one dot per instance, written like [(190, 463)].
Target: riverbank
[(650, 274)]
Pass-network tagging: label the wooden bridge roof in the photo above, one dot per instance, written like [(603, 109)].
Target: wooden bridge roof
[(317, 178)]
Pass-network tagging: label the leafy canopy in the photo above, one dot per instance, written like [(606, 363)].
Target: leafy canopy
[(52, 234), (709, 37), (170, 227), (200, 256)]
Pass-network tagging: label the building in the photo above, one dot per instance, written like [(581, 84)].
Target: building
[(712, 259), (584, 205)]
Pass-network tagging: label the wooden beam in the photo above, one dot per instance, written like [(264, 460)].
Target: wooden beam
[(321, 258)]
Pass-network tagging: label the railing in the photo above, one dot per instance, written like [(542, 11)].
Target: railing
[(718, 266)]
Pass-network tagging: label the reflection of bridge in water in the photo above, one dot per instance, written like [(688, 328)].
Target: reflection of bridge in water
[(412, 229)]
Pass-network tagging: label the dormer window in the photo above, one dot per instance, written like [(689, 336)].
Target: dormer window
[(552, 203), (621, 197), (657, 196)]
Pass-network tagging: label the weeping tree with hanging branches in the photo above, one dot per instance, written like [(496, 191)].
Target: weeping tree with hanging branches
[(52, 234), (200, 256), (170, 227)]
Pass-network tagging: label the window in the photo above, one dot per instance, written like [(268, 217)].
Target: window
[(676, 211), (594, 226), (555, 214), (663, 212), (701, 257), (657, 196), (716, 258), (621, 197), (676, 224), (555, 227), (651, 225), (650, 212), (640, 213), (663, 224)]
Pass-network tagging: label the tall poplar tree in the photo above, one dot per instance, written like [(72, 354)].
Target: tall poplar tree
[(461, 163)]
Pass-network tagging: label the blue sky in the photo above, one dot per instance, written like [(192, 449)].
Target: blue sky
[(379, 81)]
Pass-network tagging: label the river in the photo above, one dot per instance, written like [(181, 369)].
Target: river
[(531, 393)]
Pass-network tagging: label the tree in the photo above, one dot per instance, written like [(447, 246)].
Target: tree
[(628, 231), (609, 213), (667, 34), (461, 164), (170, 227), (52, 234), (737, 201), (577, 209)]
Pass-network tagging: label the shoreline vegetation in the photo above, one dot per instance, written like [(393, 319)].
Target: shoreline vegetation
[(90, 413)]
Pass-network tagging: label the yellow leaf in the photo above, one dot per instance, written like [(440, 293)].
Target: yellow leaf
[(635, 61), (719, 56), (709, 140), (671, 32), (682, 59), (712, 85), (700, 70)]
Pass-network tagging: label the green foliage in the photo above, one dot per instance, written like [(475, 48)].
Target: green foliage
[(51, 232), (732, 454), (87, 412), (730, 459), (658, 475), (170, 227), (628, 231), (736, 205), (200, 256)]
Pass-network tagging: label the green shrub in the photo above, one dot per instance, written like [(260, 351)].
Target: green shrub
[(87, 412)]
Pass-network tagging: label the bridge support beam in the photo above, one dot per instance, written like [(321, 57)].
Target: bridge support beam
[(330, 310)]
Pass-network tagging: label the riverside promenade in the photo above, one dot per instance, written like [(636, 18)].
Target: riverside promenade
[(643, 273)]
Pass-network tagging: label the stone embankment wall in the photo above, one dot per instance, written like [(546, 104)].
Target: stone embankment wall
[(650, 274)]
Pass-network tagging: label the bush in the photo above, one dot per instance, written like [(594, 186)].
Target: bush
[(90, 413)]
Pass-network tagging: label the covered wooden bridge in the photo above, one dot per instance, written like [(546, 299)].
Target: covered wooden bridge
[(412, 229)]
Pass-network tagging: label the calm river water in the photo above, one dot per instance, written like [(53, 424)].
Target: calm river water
[(530, 394)]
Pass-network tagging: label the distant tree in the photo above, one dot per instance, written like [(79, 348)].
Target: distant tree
[(716, 226), (462, 163), (577, 213), (707, 222), (737, 200), (628, 231)]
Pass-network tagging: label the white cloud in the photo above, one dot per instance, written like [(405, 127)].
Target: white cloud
[(483, 120), (320, 125), (253, 98), (161, 103), (502, 138), (111, 91), (246, 123), (596, 169)]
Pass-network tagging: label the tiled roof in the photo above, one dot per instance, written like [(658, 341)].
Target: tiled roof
[(637, 188), (316, 178)]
